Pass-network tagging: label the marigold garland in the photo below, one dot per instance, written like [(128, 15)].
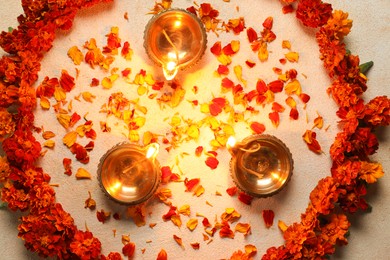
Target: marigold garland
[(50, 231)]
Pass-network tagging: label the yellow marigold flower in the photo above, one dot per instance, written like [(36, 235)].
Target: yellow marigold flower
[(340, 23), (370, 172)]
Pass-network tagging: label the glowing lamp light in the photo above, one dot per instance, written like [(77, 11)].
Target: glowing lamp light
[(261, 165), (130, 174), (175, 39)]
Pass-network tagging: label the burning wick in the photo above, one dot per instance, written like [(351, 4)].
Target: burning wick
[(170, 69), (151, 153), (233, 147)]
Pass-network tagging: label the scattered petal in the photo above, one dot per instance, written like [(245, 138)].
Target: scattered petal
[(268, 217), (82, 174)]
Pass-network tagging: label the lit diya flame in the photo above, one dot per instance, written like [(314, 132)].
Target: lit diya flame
[(130, 174), (233, 147), (261, 165), (175, 39)]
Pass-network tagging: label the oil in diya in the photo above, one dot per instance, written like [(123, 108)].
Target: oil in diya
[(175, 39), (130, 174), (261, 165)]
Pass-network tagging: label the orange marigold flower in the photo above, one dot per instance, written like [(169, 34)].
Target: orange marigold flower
[(112, 256), (309, 219), (8, 94), (332, 51), (335, 231), (5, 169), (41, 198), (340, 146), (370, 172), (295, 236), (22, 147), (17, 199), (339, 23), (7, 125), (377, 111), (324, 195), (352, 199), (274, 253), (47, 233), (85, 245), (313, 13), (346, 172), (239, 255)]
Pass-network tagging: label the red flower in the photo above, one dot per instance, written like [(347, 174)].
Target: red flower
[(377, 112), (17, 199), (313, 13), (85, 245), (274, 253), (353, 197), (332, 50), (22, 148), (112, 256), (48, 234), (42, 197), (347, 172)]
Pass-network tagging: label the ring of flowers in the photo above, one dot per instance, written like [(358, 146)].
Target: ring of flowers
[(322, 226)]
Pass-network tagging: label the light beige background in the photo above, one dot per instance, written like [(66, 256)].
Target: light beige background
[(369, 38)]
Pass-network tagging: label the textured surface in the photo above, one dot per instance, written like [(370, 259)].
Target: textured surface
[(369, 38)]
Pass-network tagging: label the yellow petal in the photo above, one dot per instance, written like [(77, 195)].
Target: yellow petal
[(45, 103), (70, 138), (176, 220), (134, 136), (142, 90), (82, 174), (286, 44), (64, 120), (48, 134), (87, 96), (185, 210), (282, 226), (59, 94), (199, 190), (293, 87), (193, 132), (292, 56), (263, 52), (49, 144), (235, 45), (224, 59), (238, 72), (76, 55), (244, 228), (149, 79), (250, 250), (192, 224)]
